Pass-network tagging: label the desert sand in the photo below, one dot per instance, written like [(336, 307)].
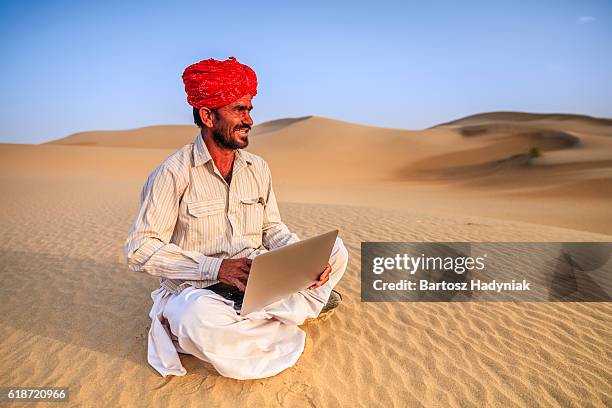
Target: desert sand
[(73, 315)]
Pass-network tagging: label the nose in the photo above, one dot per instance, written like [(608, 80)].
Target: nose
[(248, 119)]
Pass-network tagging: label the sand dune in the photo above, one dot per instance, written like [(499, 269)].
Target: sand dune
[(160, 137), (315, 149), (319, 160), (275, 125), (154, 137), (78, 161), (488, 117), (74, 315)]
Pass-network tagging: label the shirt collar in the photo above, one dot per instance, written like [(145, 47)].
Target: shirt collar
[(201, 155), (200, 151), (242, 158)]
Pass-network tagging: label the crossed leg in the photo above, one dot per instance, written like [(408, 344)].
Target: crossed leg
[(258, 345)]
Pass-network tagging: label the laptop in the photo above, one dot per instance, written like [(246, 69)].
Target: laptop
[(280, 273)]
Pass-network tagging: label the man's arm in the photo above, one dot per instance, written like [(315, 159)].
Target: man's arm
[(148, 246), (275, 233)]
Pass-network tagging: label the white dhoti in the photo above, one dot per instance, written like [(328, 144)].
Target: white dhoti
[(204, 324)]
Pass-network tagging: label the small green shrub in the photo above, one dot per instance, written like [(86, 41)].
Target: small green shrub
[(534, 152)]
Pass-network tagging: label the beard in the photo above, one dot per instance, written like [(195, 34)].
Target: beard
[(224, 138)]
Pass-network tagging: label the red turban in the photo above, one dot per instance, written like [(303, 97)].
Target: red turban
[(213, 84)]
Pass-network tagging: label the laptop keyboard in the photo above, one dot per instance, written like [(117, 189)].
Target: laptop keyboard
[(228, 292)]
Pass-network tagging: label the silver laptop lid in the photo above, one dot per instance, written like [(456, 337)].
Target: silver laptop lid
[(284, 271)]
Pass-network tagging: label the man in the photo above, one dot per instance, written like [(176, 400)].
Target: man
[(205, 213)]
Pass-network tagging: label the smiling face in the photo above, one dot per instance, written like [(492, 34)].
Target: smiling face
[(232, 123)]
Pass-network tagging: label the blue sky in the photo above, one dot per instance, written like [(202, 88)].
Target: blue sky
[(75, 66)]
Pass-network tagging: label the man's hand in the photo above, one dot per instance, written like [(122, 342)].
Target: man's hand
[(235, 272), (323, 278)]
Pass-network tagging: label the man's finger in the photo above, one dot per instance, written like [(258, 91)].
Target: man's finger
[(323, 280), (239, 284), (318, 284), (243, 279)]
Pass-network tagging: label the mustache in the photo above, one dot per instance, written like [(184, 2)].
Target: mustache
[(242, 127)]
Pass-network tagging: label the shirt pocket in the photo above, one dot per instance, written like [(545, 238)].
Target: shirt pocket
[(207, 219), (252, 215)]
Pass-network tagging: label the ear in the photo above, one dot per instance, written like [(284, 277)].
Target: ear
[(206, 116)]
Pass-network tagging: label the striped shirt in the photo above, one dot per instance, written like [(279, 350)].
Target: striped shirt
[(190, 219)]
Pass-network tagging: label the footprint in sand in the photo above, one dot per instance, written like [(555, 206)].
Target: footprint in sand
[(297, 395)]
